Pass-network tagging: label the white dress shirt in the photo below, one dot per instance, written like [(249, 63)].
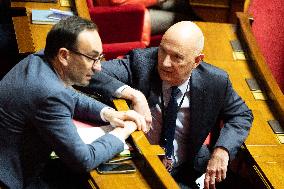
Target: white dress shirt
[(182, 122)]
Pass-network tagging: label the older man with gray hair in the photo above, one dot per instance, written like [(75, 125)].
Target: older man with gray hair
[(203, 96)]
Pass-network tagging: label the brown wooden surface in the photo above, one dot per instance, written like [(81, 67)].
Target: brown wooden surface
[(262, 143), (82, 9), (31, 37), (268, 158), (27, 32), (150, 171), (23, 34), (269, 162), (217, 10)]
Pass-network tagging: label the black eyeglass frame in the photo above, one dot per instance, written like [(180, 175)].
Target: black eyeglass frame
[(100, 57)]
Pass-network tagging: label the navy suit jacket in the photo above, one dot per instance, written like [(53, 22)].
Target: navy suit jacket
[(211, 98), (36, 112)]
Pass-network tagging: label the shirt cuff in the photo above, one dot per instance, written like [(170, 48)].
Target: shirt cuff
[(118, 92), (102, 113), (121, 138)]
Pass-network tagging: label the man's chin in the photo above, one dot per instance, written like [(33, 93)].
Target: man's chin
[(166, 79), (83, 84), (169, 81)]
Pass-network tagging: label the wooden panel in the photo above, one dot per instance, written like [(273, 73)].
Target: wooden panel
[(211, 11), (217, 47), (273, 168), (31, 37), (276, 152), (82, 9), (24, 39), (217, 10), (211, 3), (261, 133), (264, 74), (36, 5), (262, 144), (151, 173)]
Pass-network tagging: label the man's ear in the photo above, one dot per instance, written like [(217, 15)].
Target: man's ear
[(63, 56), (198, 59)]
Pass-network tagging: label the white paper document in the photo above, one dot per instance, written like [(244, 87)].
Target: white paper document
[(90, 134)]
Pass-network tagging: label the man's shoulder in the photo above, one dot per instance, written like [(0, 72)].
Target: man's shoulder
[(145, 58), (41, 78), (151, 53), (211, 69)]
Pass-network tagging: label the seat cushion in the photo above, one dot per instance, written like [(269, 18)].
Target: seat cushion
[(126, 22)]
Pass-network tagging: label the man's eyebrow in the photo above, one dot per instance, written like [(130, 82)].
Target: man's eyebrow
[(172, 51), (179, 54), (95, 53)]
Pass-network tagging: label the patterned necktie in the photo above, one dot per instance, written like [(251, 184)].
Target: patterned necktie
[(169, 125)]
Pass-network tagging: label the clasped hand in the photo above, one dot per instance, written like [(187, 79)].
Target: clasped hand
[(119, 118)]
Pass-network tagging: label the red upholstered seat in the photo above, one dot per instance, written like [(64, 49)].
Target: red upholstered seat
[(148, 39), (268, 31), (121, 27)]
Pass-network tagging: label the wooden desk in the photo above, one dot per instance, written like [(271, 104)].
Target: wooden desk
[(31, 37), (262, 143), (268, 158), (151, 173)]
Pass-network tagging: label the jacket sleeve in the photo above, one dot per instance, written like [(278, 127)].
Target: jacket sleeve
[(86, 108), (237, 119), (53, 122), (113, 75)]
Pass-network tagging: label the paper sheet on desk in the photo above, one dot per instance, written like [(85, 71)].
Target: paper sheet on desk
[(89, 134)]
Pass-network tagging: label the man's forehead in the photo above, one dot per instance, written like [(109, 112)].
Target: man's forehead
[(172, 46), (89, 40)]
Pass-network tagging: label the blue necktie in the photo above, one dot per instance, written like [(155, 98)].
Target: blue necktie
[(169, 125)]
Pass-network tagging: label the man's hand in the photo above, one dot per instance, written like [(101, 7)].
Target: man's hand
[(139, 104), (217, 168), (129, 127), (118, 118)]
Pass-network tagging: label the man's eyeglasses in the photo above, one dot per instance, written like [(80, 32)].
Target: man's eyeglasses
[(100, 57)]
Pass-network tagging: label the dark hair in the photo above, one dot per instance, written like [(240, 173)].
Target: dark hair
[(65, 33)]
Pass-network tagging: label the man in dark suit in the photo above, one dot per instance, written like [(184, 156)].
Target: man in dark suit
[(145, 77), (37, 104)]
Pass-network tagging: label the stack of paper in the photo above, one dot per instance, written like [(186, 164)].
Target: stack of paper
[(51, 16), (90, 134)]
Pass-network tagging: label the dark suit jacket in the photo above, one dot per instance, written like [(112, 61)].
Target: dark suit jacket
[(211, 97), (36, 112)]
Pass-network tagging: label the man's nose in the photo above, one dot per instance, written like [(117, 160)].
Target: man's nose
[(167, 61), (97, 66)]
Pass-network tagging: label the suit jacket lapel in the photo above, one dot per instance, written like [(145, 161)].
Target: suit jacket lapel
[(197, 97), (155, 90)]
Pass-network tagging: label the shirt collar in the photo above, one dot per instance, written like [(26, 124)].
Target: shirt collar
[(182, 87)]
